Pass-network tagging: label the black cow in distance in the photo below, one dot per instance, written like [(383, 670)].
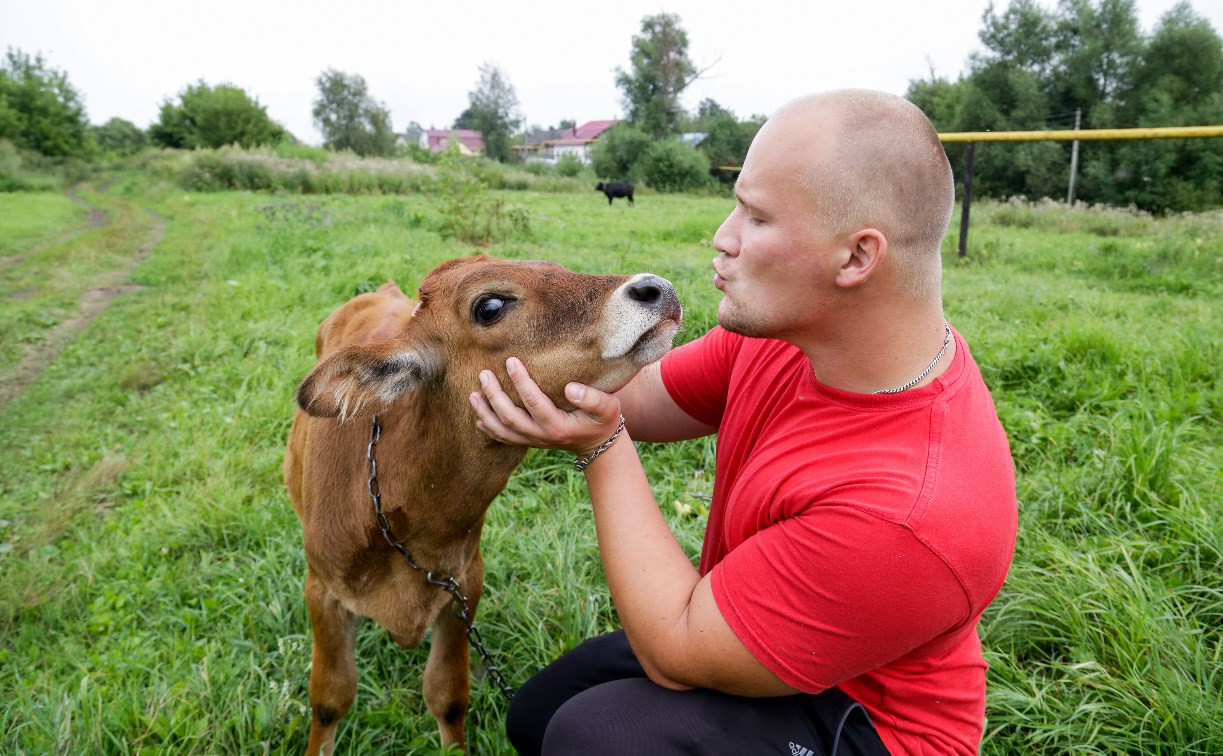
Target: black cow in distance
[(614, 189)]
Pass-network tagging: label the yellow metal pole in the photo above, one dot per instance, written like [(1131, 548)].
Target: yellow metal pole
[(1075, 135), (1067, 135)]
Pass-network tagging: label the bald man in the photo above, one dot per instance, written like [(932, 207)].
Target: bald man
[(864, 507)]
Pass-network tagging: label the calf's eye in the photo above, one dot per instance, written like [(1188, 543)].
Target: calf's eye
[(488, 309)]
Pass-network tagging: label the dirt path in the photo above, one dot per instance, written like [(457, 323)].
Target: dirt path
[(88, 306), (97, 218)]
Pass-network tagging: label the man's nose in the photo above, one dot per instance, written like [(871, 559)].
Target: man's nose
[(726, 240)]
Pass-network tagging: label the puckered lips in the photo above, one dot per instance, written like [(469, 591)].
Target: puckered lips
[(719, 280)]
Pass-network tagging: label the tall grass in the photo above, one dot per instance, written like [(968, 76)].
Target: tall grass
[(1101, 343), (151, 567), (28, 171), (295, 169)]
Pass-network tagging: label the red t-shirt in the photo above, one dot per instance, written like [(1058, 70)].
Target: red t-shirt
[(855, 539)]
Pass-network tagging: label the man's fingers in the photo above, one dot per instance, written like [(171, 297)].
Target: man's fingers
[(506, 411), (533, 398), (542, 424), (490, 424), (503, 435), (601, 406)]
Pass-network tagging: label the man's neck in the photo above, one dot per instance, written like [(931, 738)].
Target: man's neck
[(868, 355)]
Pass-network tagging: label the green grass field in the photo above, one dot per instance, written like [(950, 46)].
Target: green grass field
[(151, 566)]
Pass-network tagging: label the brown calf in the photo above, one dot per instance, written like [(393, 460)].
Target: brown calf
[(414, 365)]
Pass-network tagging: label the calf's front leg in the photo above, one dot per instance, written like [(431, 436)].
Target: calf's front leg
[(447, 681), (333, 674)]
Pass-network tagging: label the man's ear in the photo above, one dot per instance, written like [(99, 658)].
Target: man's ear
[(362, 380), (867, 249)]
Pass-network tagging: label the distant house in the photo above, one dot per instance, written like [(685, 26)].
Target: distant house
[(471, 142), (550, 146), (579, 141), (536, 146)]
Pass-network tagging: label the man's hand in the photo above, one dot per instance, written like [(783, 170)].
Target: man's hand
[(540, 423)]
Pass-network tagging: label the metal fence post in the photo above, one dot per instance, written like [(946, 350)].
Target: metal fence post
[(968, 156), (1074, 158)]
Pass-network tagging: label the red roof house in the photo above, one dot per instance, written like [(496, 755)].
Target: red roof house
[(470, 141), (578, 140)]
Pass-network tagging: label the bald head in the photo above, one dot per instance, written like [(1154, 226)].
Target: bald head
[(873, 160)]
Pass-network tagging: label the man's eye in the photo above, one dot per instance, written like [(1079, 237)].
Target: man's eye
[(488, 309)]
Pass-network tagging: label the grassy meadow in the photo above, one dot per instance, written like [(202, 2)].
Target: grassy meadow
[(151, 566)]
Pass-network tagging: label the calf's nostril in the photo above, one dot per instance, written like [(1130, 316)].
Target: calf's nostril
[(645, 292)]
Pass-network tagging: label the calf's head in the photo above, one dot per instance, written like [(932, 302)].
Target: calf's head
[(476, 312)]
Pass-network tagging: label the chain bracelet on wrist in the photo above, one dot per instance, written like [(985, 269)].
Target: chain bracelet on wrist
[(580, 463)]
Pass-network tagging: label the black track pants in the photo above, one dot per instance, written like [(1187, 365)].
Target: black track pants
[(597, 701)]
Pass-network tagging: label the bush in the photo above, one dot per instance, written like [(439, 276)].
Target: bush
[(1054, 215), (311, 170), (40, 110), (618, 153), (670, 166), (214, 117), (421, 155), (536, 177), (470, 211), (294, 149), (23, 171), (727, 143), (119, 137), (570, 166), (273, 170)]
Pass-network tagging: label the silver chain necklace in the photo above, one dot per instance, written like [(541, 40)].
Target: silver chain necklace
[(924, 373)]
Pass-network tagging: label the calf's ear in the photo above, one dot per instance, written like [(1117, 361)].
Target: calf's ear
[(362, 380)]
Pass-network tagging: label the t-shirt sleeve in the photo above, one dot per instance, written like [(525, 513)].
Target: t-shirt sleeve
[(697, 375), (833, 593)]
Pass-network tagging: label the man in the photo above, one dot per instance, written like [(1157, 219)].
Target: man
[(864, 507)]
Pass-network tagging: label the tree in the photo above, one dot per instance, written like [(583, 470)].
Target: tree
[(120, 136), (466, 119), (493, 111), (1184, 58), (671, 166), (617, 155), (214, 117), (1023, 36), (413, 133), (1099, 45), (726, 138), (659, 72), (40, 110), (1178, 81), (349, 118), (707, 111), (938, 98), (1040, 67)]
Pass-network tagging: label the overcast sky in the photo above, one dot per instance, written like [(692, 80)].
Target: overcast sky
[(421, 59)]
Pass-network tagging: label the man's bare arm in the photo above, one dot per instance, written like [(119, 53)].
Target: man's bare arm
[(667, 608), (650, 414)]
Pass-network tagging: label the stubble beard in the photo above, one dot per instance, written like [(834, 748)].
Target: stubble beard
[(742, 320)]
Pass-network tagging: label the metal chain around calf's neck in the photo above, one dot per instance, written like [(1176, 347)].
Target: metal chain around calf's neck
[(924, 373), (447, 583)]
